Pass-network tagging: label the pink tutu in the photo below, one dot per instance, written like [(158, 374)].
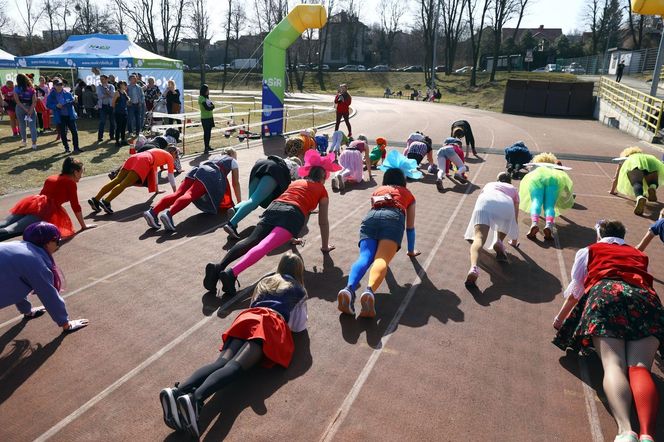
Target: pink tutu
[(352, 162)]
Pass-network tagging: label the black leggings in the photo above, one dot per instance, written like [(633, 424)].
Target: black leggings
[(338, 122), (208, 124), (636, 178), (120, 126), (260, 232), (237, 356)]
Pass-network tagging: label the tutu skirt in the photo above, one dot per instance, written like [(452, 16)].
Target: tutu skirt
[(642, 161), (139, 163), (268, 326), (352, 162), (46, 209), (543, 177), (496, 210)]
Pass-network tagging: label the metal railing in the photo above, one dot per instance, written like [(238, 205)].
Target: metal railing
[(642, 108)]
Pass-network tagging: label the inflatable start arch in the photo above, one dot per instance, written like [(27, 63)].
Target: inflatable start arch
[(648, 7), (300, 18)]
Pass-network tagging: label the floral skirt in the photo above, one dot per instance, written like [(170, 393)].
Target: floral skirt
[(612, 309)]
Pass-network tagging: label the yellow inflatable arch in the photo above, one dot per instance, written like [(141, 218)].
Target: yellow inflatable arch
[(648, 7)]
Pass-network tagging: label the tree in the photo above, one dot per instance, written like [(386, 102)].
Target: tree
[(238, 19), (520, 6), (322, 43), (90, 19), (351, 29), (30, 13), (636, 24), (50, 8), (227, 26), (146, 23), (476, 29), (527, 41), (391, 12), (501, 12), (427, 22), (610, 24), (200, 27), (593, 15), (452, 14), (563, 46)]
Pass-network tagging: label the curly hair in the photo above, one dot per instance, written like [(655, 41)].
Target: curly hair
[(229, 151), (630, 151), (294, 147), (545, 157)]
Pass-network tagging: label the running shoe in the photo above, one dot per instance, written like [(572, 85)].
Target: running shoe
[(106, 205), (640, 205), (473, 274), (211, 277), (189, 409), (335, 184), (627, 436), (548, 232), (646, 438), (532, 233), (22, 144), (232, 231), (94, 205), (346, 301), (228, 280), (368, 301), (34, 147), (341, 183), (167, 220), (151, 218), (652, 194), (169, 406), (460, 178), (439, 185)]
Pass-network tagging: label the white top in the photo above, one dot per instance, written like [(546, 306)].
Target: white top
[(505, 188), (298, 317), (580, 268)]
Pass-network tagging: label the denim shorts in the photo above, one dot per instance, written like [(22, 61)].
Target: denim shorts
[(385, 223)]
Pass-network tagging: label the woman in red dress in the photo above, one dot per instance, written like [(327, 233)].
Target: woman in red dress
[(47, 206), (261, 333)]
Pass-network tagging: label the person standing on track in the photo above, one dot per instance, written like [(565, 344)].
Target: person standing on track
[(611, 305), (28, 267), (496, 215), (269, 178), (261, 333), (381, 232), (47, 206), (282, 221), (461, 129), (639, 175), (138, 169), (548, 190), (342, 103), (205, 185)]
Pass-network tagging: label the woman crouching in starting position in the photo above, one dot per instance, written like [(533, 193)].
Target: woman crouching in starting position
[(260, 333), (381, 233)]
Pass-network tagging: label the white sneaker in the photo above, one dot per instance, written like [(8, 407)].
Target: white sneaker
[(34, 147), (341, 183), (22, 144), (335, 184)]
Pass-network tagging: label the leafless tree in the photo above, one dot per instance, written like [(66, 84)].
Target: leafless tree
[(200, 28), (30, 13), (636, 25), (452, 17), (501, 12), (50, 8), (476, 8), (118, 18), (520, 6), (593, 17), (391, 13), (157, 23), (91, 19), (427, 21), (238, 20), (322, 42), (227, 26)]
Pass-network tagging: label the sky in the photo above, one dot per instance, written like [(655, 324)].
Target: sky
[(565, 14)]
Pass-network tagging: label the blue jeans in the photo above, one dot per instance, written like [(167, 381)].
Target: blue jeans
[(66, 122), (105, 112), (22, 124), (134, 118)]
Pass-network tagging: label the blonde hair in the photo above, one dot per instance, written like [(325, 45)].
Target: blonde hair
[(546, 157), (229, 151), (171, 82), (630, 151), (290, 264)]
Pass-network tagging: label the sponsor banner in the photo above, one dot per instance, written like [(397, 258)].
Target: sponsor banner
[(10, 74), (161, 77)]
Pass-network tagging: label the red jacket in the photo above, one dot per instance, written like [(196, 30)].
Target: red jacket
[(343, 102), (620, 262)]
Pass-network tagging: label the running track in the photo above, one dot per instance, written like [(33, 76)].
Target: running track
[(438, 363)]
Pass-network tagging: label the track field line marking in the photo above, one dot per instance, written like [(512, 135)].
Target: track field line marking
[(588, 394), (344, 409), (146, 363), (123, 269), (603, 171)]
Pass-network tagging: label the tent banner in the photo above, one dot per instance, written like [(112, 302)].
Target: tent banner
[(161, 77), (98, 62), (10, 74)]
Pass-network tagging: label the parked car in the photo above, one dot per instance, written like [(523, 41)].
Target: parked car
[(415, 68), (220, 67), (185, 67), (348, 68), (542, 69), (552, 67), (440, 68), (380, 68), (325, 67), (361, 68), (464, 70), (575, 68), (198, 68)]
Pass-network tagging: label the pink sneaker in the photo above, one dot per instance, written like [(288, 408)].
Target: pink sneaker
[(473, 274)]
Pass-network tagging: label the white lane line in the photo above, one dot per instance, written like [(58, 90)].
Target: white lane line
[(603, 171), (344, 409), (588, 394), (123, 269), (143, 365)]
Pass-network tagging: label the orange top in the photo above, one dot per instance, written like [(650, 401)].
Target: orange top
[(146, 164), (304, 194), (403, 198)]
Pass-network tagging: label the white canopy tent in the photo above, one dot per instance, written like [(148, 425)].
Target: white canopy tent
[(8, 68)]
